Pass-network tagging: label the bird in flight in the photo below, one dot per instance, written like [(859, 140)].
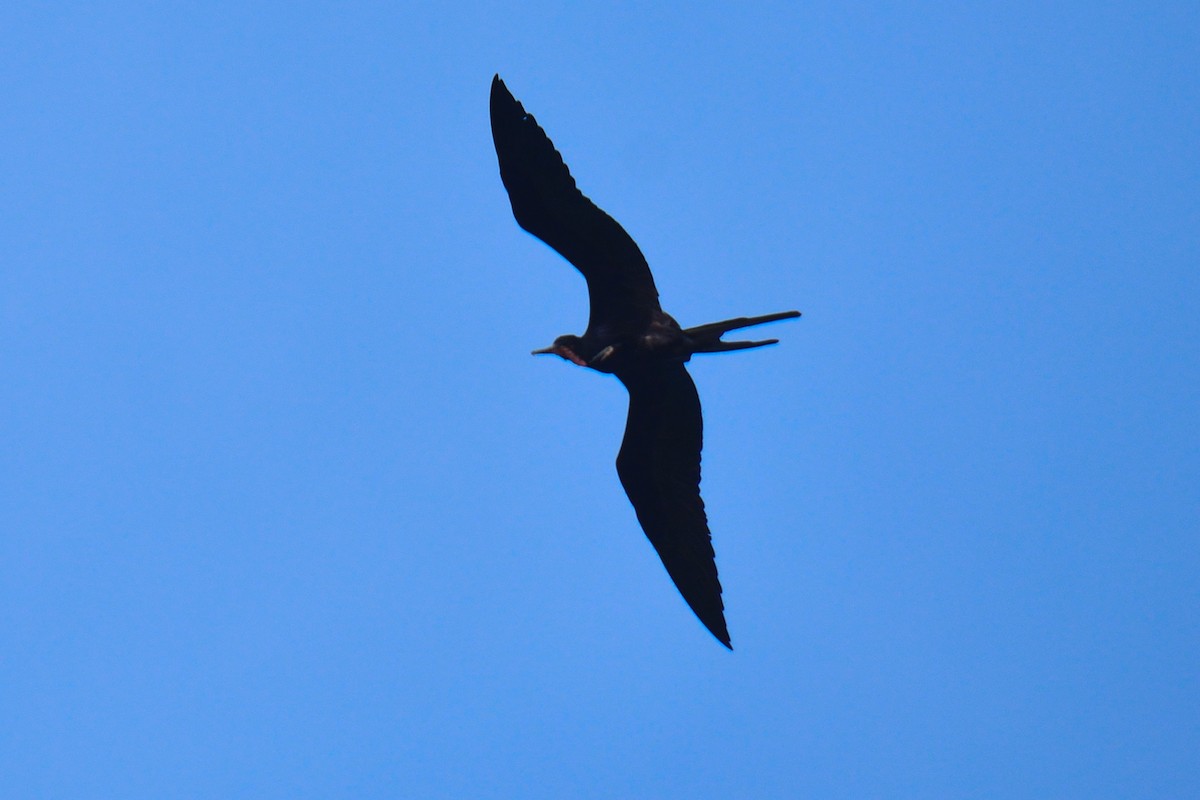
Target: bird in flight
[(630, 336)]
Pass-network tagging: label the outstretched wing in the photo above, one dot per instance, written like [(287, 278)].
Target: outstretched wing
[(547, 204), (659, 465)]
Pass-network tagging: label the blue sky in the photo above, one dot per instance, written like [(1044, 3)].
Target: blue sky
[(287, 509)]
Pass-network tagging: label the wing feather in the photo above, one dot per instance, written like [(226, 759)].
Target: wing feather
[(546, 202), (659, 466)]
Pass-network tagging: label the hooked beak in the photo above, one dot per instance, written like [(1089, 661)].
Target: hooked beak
[(562, 352)]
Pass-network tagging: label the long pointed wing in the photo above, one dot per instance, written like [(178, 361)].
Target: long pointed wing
[(547, 204), (659, 465)]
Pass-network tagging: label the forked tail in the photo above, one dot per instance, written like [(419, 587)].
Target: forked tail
[(707, 338)]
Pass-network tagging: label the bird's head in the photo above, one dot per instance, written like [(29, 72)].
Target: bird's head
[(567, 347)]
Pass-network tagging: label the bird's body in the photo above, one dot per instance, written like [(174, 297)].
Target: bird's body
[(629, 336)]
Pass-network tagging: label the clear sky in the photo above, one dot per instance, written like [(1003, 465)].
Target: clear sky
[(287, 510)]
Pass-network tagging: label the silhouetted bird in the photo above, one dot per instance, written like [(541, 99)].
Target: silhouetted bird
[(628, 335)]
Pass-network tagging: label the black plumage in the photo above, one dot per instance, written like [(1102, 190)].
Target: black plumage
[(630, 336)]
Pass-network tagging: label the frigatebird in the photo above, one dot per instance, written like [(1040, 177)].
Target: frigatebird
[(630, 336)]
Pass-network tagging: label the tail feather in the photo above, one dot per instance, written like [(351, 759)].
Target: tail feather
[(707, 338)]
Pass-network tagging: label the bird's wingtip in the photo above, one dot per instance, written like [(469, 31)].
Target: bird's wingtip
[(500, 94), (719, 632)]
